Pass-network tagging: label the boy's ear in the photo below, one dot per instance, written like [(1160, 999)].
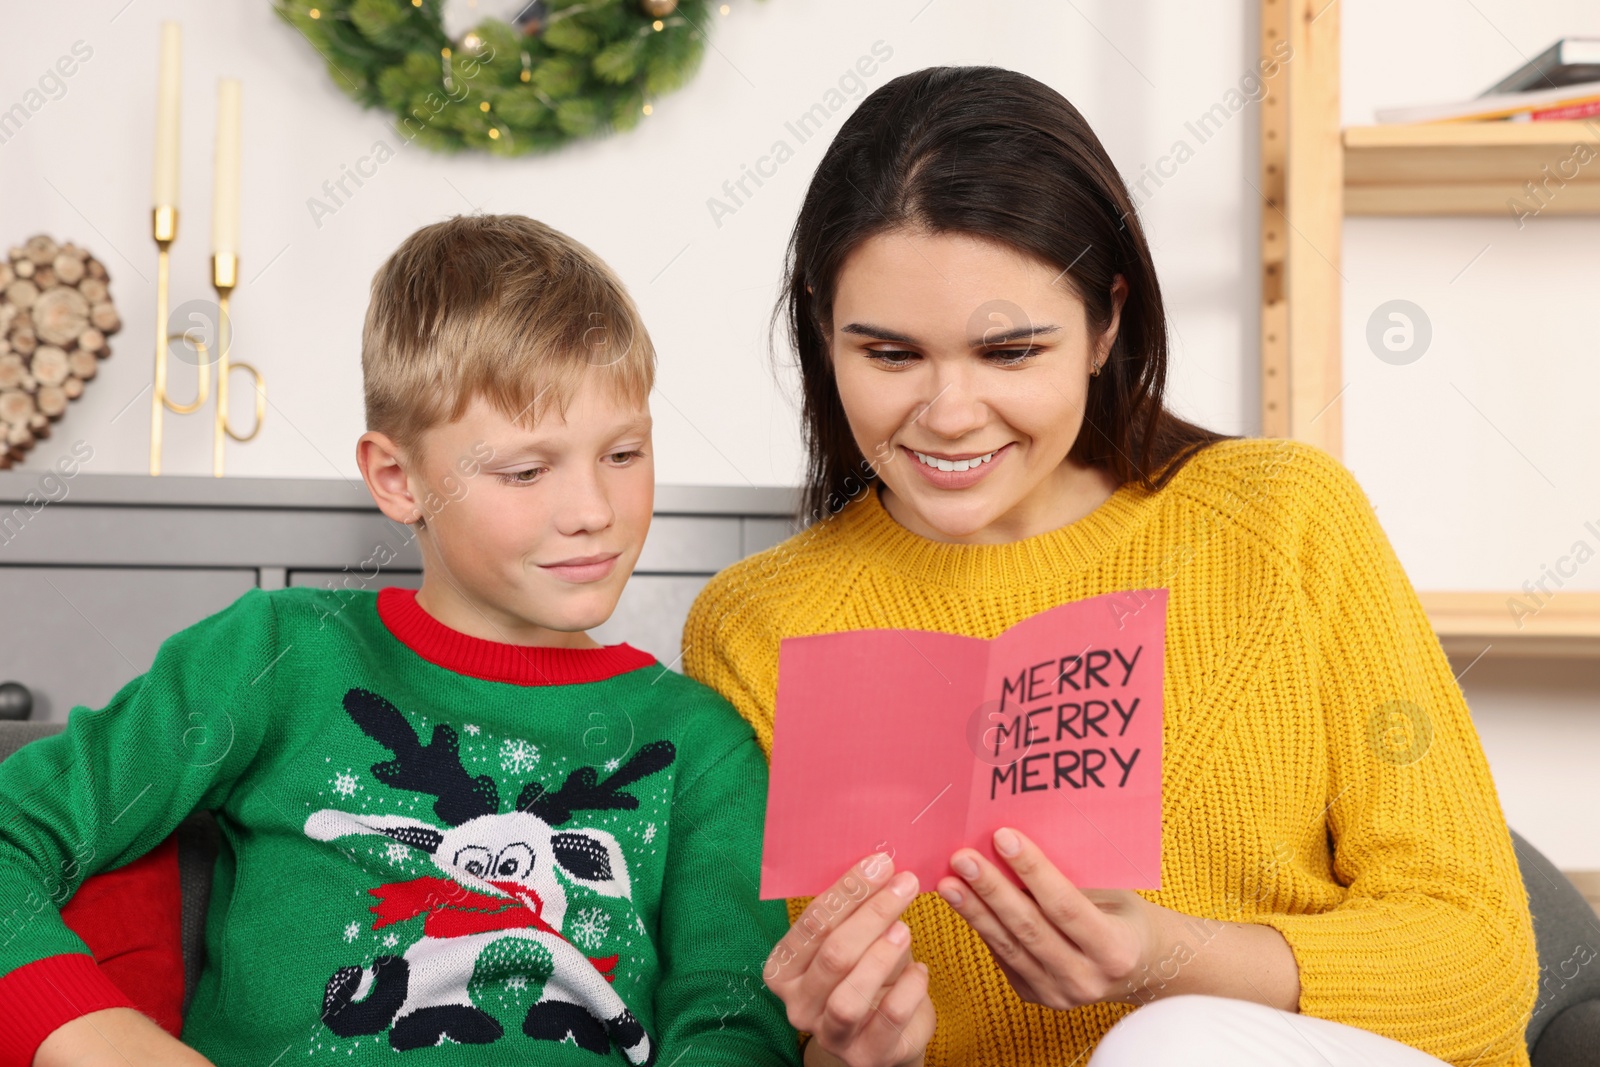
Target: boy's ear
[(383, 468)]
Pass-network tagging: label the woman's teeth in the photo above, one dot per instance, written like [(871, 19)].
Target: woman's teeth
[(952, 464)]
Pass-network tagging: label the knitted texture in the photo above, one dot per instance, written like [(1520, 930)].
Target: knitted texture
[(1322, 774), (462, 851)]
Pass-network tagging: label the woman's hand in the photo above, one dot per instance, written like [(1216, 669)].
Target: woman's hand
[(1061, 946), (845, 972), (1058, 945)]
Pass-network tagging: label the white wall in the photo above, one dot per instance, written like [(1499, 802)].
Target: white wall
[(1481, 456), (80, 169), (1482, 453)]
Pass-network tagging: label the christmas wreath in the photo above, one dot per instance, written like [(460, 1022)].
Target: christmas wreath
[(506, 76)]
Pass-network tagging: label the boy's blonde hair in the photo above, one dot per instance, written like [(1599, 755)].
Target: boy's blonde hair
[(498, 306)]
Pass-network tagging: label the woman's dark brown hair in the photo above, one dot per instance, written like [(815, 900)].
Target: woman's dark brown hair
[(991, 153)]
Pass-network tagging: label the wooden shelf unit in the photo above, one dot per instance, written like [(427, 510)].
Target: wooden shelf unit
[(1568, 623), (1473, 168), (1312, 175)]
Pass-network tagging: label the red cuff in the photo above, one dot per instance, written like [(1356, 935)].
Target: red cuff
[(46, 994)]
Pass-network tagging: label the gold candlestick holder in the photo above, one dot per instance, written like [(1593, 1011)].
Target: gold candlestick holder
[(224, 277)]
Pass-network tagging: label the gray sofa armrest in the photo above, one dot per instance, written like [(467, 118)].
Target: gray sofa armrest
[(198, 841), (13, 734), (1571, 1039), (1564, 1030)]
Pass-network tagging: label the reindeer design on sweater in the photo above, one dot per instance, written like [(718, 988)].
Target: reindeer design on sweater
[(506, 878)]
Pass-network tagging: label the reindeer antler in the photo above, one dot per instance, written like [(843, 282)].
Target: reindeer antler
[(581, 792), (434, 768)]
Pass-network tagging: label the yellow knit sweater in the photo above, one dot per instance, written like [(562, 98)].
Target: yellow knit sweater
[(1322, 774)]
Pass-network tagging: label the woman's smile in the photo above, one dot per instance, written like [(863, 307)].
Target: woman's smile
[(946, 471)]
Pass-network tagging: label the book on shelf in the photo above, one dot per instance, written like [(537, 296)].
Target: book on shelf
[(1568, 113), (1560, 84), (1570, 61), (1537, 105)]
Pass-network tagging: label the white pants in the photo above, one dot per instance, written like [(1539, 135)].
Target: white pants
[(1201, 1031)]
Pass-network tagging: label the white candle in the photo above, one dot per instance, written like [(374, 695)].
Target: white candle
[(167, 92), (225, 177)]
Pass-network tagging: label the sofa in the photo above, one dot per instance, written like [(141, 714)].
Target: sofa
[(1564, 1030)]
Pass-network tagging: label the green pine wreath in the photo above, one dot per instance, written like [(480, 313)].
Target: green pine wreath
[(591, 67)]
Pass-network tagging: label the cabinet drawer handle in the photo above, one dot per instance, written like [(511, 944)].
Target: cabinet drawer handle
[(16, 701)]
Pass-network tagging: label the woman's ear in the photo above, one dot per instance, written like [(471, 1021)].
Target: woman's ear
[(1108, 337)]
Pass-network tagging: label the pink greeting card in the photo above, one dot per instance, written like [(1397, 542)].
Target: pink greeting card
[(917, 743)]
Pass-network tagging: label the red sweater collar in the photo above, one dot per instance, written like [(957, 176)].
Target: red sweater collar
[(495, 661)]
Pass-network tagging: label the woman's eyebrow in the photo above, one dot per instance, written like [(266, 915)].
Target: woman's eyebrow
[(866, 329), (1007, 336)]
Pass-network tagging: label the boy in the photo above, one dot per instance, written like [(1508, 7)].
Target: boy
[(454, 825)]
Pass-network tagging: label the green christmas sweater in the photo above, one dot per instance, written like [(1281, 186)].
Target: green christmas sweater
[(462, 851)]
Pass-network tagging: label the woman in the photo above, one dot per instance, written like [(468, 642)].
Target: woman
[(982, 349)]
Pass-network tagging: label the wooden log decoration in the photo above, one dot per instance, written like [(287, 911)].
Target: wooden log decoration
[(55, 315)]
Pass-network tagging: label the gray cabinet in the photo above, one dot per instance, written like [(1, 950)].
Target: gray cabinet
[(78, 634), (97, 570)]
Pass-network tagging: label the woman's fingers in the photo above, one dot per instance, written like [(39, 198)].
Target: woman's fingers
[(1063, 903), (905, 996), (993, 895), (856, 996), (1056, 946), (844, 970), (897, 1021), (791, 957), (901, 959), (1012, 956), (847, 952), (900, 1023), (1025, 989), (844, 947)]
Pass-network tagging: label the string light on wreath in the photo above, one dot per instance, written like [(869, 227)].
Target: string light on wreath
[(508, 77)]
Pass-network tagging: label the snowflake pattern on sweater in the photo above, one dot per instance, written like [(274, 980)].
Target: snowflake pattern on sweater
[(509, 876)]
